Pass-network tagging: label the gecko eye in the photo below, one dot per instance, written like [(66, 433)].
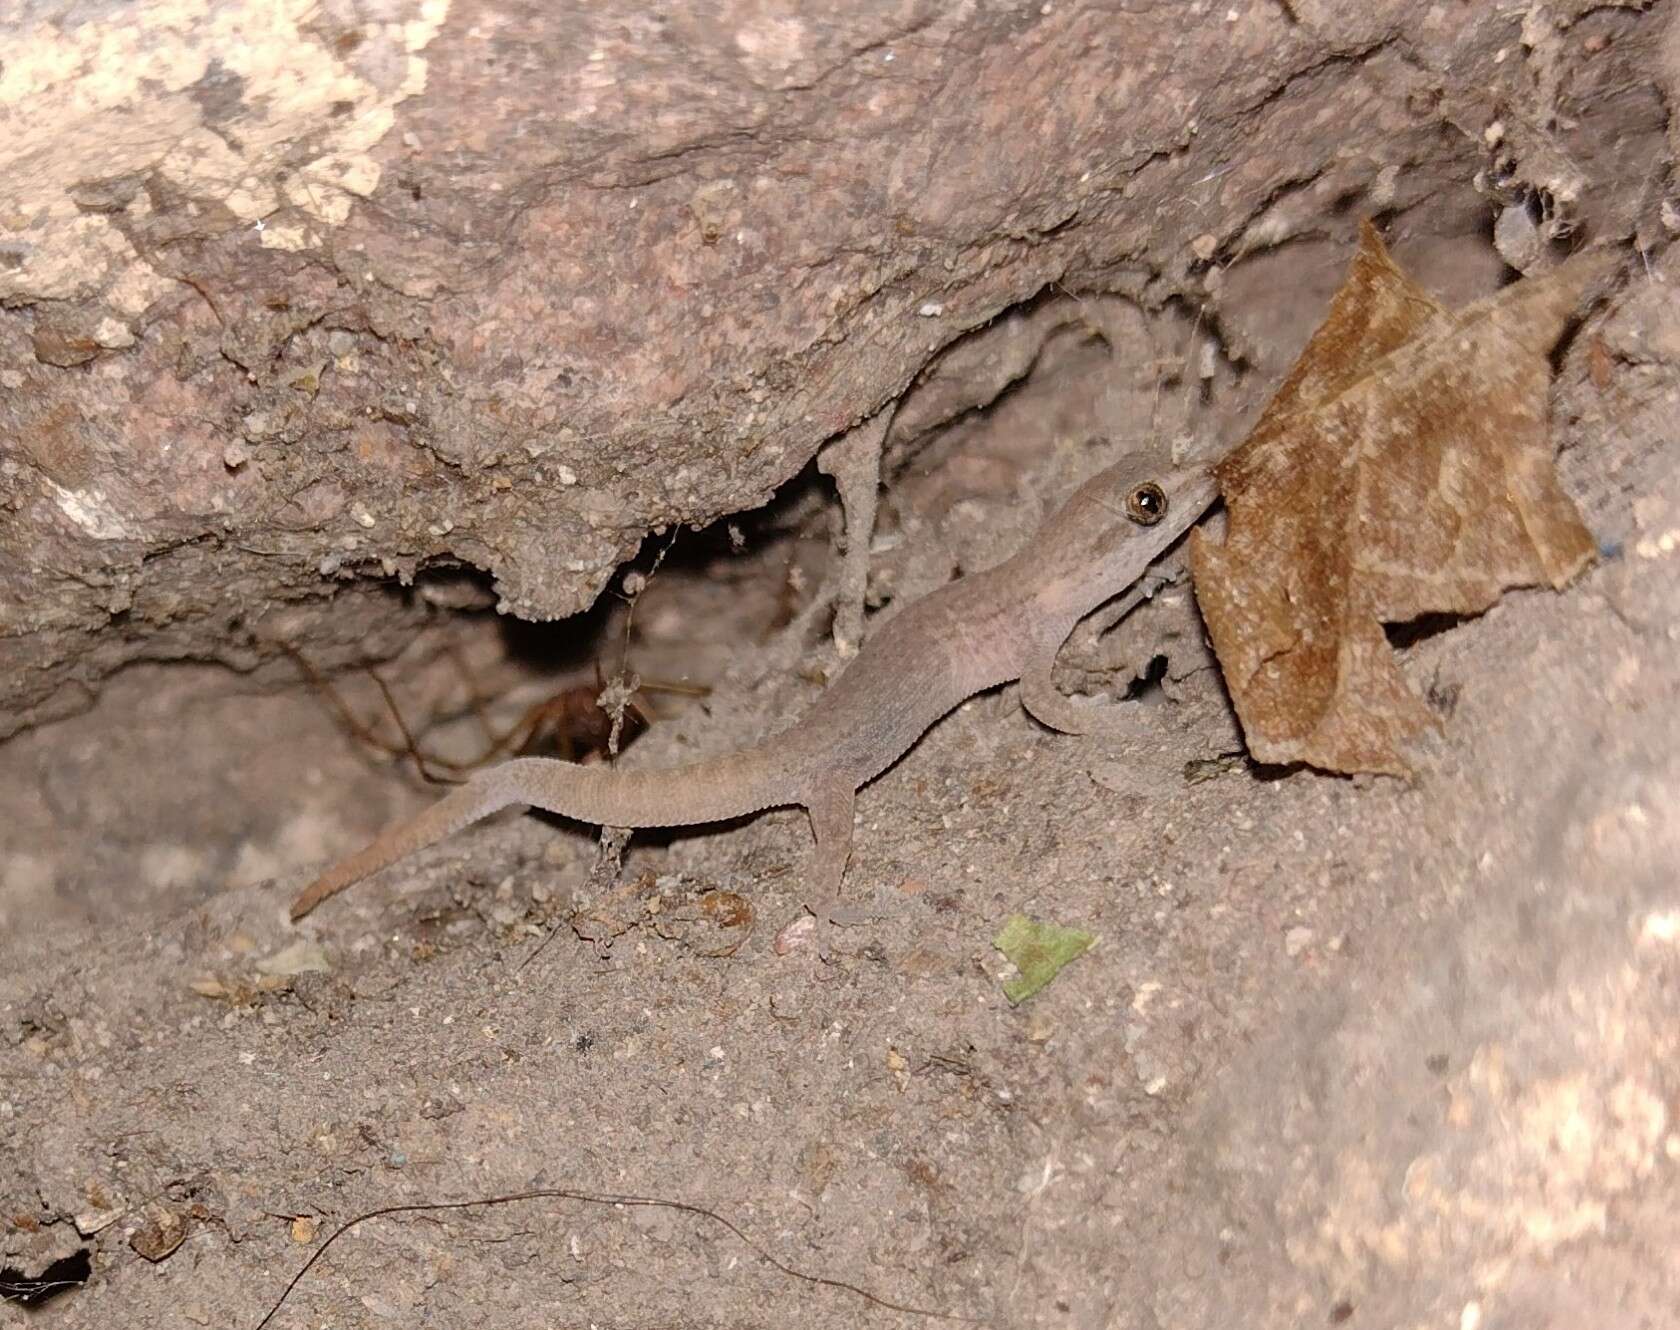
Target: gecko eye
[(1146, 504)]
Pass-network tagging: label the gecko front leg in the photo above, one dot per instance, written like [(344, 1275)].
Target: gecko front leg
[(1049, 707), (1054, 709)]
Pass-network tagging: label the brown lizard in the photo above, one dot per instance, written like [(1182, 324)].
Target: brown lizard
[(1004, 623)]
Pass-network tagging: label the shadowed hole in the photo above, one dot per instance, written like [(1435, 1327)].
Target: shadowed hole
[(1147, 686), (1412, 631), (67, 1272)]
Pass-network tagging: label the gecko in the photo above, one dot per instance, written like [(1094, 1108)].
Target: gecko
[(988, 628)]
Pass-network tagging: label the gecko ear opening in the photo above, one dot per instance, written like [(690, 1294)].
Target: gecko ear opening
[(1146, 504)]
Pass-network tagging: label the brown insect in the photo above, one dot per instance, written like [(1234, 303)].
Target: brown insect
[(570, 724)]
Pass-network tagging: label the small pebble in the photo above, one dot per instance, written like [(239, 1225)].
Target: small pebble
[(795, 935)]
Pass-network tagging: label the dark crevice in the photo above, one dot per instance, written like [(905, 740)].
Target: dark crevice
[(1412, 631), (66, 1273), (1147, 685)]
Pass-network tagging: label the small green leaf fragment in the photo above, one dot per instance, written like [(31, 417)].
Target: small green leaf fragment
[(1038, 951)]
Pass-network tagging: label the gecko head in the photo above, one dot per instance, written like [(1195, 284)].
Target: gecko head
[(1120, 521), (1141, 501)]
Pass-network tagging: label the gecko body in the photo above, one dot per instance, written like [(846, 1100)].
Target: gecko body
[(1004, 623)]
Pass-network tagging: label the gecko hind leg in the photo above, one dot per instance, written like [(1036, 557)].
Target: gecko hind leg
[(831, 813)]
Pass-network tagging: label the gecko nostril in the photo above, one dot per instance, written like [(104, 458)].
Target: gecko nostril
[(1146, 504)]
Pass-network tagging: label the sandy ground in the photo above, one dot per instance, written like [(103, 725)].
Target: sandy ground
[(1370, 1053)]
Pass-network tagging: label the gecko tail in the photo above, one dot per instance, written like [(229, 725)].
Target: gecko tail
[(707, 791), (481, 796)]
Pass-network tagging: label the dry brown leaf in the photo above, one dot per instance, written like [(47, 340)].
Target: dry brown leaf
[(1403, 469), (162, 1232)]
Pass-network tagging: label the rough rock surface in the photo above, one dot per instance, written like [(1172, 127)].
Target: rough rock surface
[(302, 294)]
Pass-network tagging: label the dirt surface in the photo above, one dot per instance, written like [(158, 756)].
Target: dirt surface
[(1368, 1053)]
